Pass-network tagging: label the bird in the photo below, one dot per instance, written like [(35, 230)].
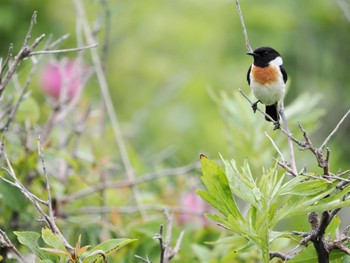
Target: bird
[(267, 79)]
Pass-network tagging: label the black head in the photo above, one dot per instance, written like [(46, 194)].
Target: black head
[(263, 56)]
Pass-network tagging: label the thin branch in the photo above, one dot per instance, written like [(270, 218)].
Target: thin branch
[(143, 259), (275, 146), (127, 183), (22, 54), (30, 29), (60, 51), (290, 142), (159, 236), (47, 182), (286, 167), (262, 112), (14, 110), (279, 255), (133, 209), (49, 221), (341, 247), (3, 66), (178, 242), (334, 130), (249, 48), (6, 242), (117, 131)]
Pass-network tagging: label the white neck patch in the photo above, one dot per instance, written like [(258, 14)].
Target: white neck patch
[(276, 62)]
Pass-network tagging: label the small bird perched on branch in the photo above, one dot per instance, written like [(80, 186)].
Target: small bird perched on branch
[(267, 78)]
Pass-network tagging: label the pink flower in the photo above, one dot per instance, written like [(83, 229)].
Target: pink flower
[(62, 79), (194, 208)]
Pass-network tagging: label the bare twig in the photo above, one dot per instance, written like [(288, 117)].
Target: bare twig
[(134, 210), (14, 110), (334, 130), (285, 166), (49, 221), (143, 259), (47, 182), (249, 48), (3, 66), (127, 183), (262, 112), (22, 54), (109, 105), (279, 255), (275, 146), (60, 51), (290, 142), (166, 251), (6, 242)]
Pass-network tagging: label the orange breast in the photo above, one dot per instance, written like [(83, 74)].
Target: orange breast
[(265, 75)]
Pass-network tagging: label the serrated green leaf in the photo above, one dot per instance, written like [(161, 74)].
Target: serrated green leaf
[(107, 247), (298, 205), (218, 189), (309, 187), (51, 239), (242, 183)]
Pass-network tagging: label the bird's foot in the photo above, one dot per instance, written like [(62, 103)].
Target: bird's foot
[(255, 106), (276, 125)]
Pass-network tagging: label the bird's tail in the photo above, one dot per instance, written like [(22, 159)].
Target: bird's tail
[(272, 111)]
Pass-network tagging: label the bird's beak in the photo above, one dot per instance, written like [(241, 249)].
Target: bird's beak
[(253, 54)]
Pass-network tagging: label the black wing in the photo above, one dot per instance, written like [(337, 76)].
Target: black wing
[(248, 77), (284, 74)]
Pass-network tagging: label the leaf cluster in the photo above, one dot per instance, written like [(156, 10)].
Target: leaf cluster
[(269, 200)]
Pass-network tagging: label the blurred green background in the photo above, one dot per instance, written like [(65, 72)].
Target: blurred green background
[(174, 68), (164, 57)]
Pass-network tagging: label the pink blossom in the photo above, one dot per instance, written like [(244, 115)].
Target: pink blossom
[(194, 208), (62, 79)]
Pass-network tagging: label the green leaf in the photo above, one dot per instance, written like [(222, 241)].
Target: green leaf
[(308, 255), (332, 227), (300, 186), (107, 247), (242, 183), (236, 242), (56, 252), (30, 240), (219, 193), (51, 239), (12, 197)]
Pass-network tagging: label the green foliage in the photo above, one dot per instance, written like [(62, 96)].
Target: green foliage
[(270, 199), (57, 251)]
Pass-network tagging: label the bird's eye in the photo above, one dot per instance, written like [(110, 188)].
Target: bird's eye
[(265, 53)]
